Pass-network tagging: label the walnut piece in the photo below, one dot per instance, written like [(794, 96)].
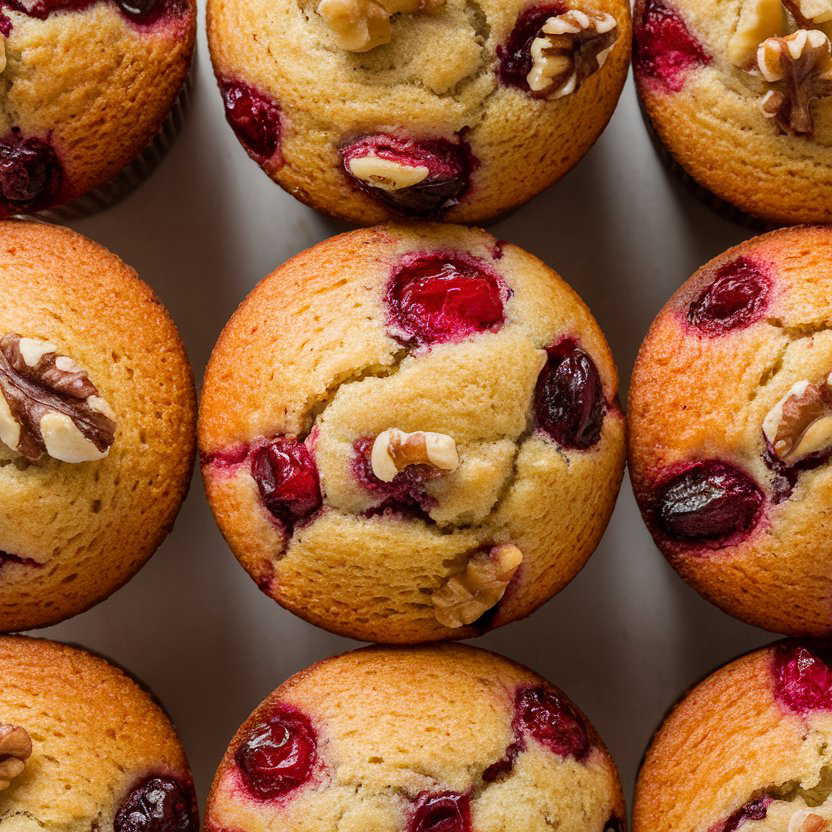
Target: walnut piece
[(802, 64), (386, 174), (362, 25), (466, 597), (800, 424), (758, 21), (805, 820), (570, 47), (48, 404), (393, 450), (15, 749)]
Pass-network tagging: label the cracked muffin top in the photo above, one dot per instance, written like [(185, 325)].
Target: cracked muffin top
[(83, 747), (84, 87), (438, 739), (738, 92), (412, 433), (746, 750), (731, 431), (97, 421), (372, 109)]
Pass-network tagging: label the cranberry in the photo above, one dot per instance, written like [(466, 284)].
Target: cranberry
[(254, 117), (569, 398), (287, 478), (515, 55), (736, 298), (30, 173), (756, 809), (505, 764), (138, 11), (710, 501), (277, 755), (160, 804), (444, 297), (664, 49), (443, 812), (449, 167), (802, 678), (553, 721)]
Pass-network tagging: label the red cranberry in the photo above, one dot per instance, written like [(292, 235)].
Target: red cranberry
[(736, 298), (444, 297), (802, 678), (158, 805), (664, 49), (449, 167), (553, 721), (443, 812), (503, 766), (254, 117), (30, 173), (515, 55), (287, 478), (569, 398), (710, 502), (277, 755), (138, 11), (756, 809)]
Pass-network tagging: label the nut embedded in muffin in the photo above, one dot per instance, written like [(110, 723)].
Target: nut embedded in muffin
[(392, 481)]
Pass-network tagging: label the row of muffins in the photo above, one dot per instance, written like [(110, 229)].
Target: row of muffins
[(370, 462), (375, 109)]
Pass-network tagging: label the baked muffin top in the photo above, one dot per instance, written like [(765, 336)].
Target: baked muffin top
[(97, 429), (83, 747), (747, 749), (442, 738), (407, 428), (369, 109), (84, 87), (731, 430)]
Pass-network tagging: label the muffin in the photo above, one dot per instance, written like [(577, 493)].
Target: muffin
[(373, 109), (83, 747), (411, 433), (437, 739), (731, 431), (87, 88), (738, 94), (747, 749), (97, 420)]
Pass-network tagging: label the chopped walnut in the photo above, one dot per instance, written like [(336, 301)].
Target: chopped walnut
[(15, 749), (386, 174), (393, 450), (466, 597), (362, 25), (802, 64), (2, 53), (49, 405), (758, 20), (570, 47), (805, 820), (800, 424)]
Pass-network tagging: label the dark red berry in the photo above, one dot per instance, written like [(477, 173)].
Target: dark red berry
[(710, 502), (449, 167), (138, 11), (254, 117), (30, 173), (160, 804), (664, 50), (569, 399), (505, 764), (442, 812), (802, 678), (756, 809), (444, 297), (515, 55), (278, 753), (737, 297), (287, 478), (552, 720)]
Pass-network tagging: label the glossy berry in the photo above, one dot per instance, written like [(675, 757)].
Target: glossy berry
[(664, 50), (442, 812), (756, 809), (553, 721), (157, 805), (254, 117), (569, 398), (444, 297), (30, 173), (287, 478), (802, 678), (137, 11), (737, 297), (449, 167), (515, 55), (710, 502), (278, 753)]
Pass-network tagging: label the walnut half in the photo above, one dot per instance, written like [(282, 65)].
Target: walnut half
[(394, 450), (15, 749), (49, 405), (570, 47), (805, 820)]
